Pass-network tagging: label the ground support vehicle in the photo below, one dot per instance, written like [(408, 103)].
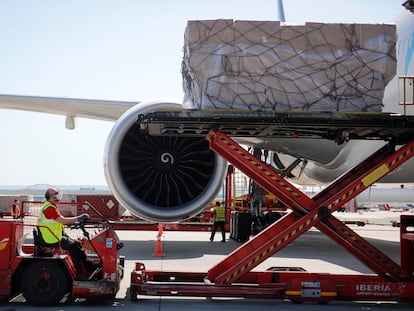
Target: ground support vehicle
[(46, 276), (233, 276)]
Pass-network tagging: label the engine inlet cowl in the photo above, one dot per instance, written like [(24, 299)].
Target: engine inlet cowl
[(160, 178)]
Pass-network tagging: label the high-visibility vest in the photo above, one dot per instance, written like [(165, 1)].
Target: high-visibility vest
[(15, 210), (220, 213), (50, 229)]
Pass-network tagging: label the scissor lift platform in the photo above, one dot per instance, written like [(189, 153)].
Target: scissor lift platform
[(233, 276)]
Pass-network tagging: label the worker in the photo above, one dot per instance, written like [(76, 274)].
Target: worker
[(51, 226), (15, 209), (219, 221)]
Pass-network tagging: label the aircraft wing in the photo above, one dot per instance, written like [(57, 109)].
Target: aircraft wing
[(106, 110)]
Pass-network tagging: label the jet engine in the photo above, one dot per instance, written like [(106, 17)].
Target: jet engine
[(160, 178)]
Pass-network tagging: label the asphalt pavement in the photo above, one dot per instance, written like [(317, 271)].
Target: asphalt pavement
[(192, 251)]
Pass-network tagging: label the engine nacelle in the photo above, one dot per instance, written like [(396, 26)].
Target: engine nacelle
[(160, 178)]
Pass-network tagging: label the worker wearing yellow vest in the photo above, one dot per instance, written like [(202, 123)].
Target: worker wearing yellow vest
[(219, 222), (51, 226), (15, 210)]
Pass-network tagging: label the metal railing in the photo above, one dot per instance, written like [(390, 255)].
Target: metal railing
[(407, 92)]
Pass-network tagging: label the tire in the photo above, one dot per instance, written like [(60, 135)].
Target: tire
[(44, 283)]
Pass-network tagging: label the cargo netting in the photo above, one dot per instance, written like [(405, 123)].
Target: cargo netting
[(263, 65)]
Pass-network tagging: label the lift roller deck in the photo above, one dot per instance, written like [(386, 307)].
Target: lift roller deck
[(233, 276), (329, 125)]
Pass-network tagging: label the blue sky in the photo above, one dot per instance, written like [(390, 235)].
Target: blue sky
[(118, 50)]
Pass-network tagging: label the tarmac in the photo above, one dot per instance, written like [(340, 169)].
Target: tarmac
[(192, 251)]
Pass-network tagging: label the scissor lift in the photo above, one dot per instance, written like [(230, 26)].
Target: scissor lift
[(233, 276)]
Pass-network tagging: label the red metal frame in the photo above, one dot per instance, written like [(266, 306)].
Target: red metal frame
[(229, 196), (294, 285), (233, 276), (308, 212), (127, 223), (139, 225)]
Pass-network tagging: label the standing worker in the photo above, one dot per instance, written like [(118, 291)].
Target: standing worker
[(15, 209), (219, 221), (51, 226)]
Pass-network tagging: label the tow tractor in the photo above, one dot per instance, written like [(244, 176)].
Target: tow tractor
[(46, 276), (233, 276)]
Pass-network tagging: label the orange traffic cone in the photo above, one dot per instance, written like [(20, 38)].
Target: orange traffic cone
[(158, 245), (158, 249), (160, 230)]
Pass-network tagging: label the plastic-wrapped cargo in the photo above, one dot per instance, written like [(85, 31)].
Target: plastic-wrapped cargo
[(262, 65)]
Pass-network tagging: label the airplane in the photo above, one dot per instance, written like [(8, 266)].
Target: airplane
[(389, 196), (380, 194), (138, 168)]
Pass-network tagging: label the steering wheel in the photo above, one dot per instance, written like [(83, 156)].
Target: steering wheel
[(80, 225)]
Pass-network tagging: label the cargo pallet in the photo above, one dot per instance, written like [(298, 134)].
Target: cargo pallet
[(233, 276)]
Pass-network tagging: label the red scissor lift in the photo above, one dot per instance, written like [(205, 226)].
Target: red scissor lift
[(233, 276)]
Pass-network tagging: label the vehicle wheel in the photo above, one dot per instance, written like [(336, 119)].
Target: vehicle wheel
[(44, 283)]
